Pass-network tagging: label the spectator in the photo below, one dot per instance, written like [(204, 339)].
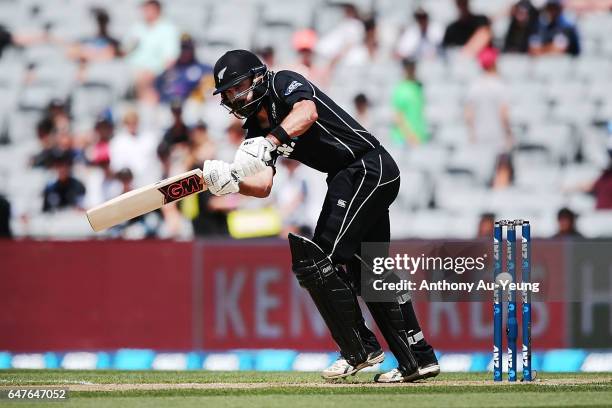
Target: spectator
[(602, 187), (233, 139), (362, 110), (408, 102), (556, 33), (486, 108), (268, 56), (66, 144), (126, 178), (207, 213), (503, 176), (57, 111), (154, 48), (566, 219), (368, 52), (178, 133), (141, 227), (46, 137), (6, 39), (421, 40), (523, 24), (100, 47), (134, 149), (20, 39), (104, 128), (5, 218), (470, 31), (201, 146), (66, 191), (185, 78), (486, 225), (589, 6), (101, 186), (163, 154), (210, 217), (347, 33), (304, 42)]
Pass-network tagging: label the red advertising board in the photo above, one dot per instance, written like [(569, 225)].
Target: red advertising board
[(252, 300), (94, 295), (206, 295)]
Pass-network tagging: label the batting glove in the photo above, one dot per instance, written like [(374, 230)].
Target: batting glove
[(219, 178)]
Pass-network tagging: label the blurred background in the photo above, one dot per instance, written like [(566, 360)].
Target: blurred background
[(492, 108)]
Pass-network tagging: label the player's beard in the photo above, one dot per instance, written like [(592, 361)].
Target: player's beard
[(249, 102)]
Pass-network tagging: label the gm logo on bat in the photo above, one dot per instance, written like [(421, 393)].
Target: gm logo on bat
[(181, 188)]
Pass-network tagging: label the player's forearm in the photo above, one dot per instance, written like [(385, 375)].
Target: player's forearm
[(298, 121), (258, 185)]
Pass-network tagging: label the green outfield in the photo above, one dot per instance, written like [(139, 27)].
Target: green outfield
[(295, 390)]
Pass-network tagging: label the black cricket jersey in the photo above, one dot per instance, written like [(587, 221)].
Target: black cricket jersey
[(332, 143)]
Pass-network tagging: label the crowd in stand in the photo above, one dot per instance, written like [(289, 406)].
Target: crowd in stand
[(126, 148)]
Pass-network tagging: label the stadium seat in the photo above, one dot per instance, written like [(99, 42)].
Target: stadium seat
[(553, 69), (459, 199), (515, 67), (441, 91), (477, 159), (290, 13), (599, 91), (188, 16), (22, 124), (11, 72), (596, 224), (115, 74), (415, 190), (89, 100), (573, 113), (432, 71), (594, 146), (556, 138), (544, 224), (430, 158), (530, 112), (538, 177), (443, 112), (577, 174), (604, 113), (590, 68), (427, 224), (464, 69), (526, 92), (452, 135), (566, 91), (580, 203), (516, 202)]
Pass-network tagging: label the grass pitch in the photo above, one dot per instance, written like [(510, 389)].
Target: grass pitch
[(296, 390)]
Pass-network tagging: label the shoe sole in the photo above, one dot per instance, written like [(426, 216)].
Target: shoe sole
[(429, 371), (368, 363), (422, 374)]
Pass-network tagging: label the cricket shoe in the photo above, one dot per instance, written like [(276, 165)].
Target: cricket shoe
[(341, 368), (396, 376)]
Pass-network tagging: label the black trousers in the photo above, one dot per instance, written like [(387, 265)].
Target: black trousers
[(356, 206), (356, 210)]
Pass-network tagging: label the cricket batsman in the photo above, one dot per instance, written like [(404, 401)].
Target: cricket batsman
[(286, 115)]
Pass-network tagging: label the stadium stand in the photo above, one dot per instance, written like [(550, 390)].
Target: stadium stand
[(560, 108)]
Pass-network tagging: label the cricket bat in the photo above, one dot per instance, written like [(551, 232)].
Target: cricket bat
[(145, 199)]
